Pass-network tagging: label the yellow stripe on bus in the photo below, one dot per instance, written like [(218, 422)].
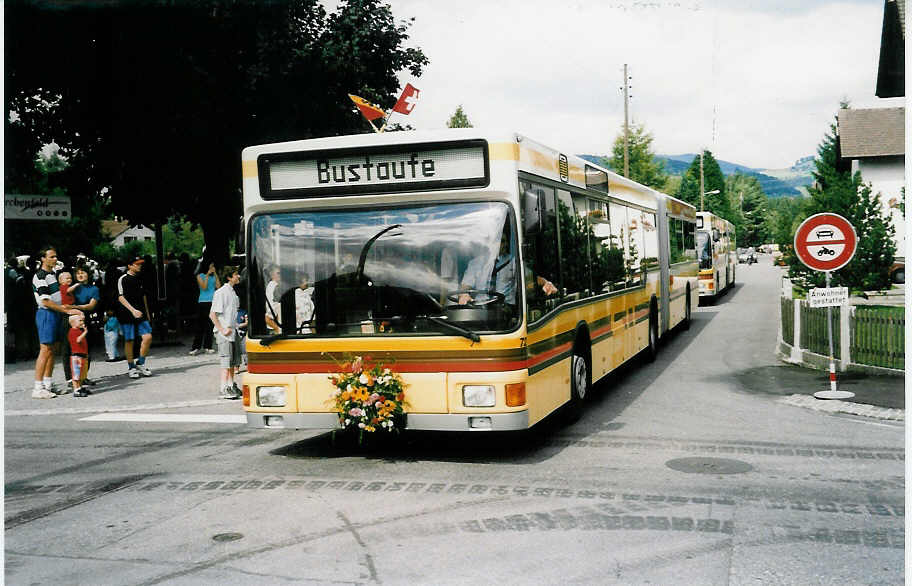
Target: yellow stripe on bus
[(504, 151)]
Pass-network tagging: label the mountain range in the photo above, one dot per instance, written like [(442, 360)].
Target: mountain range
[(789, 182)]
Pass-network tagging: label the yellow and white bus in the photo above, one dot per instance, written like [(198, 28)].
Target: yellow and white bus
[(498, 276), (717, 253)]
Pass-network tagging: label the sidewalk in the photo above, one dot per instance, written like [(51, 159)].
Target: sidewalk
[(178, 380), (876, 396)]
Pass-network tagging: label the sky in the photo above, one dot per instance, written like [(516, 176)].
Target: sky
[(756, 82)]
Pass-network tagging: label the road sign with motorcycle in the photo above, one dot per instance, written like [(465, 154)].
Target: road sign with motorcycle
[(825, 242)]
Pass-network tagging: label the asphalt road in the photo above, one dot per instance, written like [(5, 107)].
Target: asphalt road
[(685, 471)]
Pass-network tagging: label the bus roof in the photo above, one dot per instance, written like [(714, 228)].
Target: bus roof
[(528, 155)]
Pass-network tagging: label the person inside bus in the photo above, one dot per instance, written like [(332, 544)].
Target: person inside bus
[(499, 275), (304, 306), (273, 306)]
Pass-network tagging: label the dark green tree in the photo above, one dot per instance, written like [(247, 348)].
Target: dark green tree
[(713, 179), (163, 96), (784, 217), (750, 209), (640, 158), (459, 119), (837, 190)]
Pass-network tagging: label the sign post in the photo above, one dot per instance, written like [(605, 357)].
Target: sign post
[(827, 242)]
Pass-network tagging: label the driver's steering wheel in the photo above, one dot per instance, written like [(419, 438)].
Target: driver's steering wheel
[(495, 297)]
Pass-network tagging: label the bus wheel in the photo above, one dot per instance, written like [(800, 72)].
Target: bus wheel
[(653, 349), (579, 379), (687, 310)]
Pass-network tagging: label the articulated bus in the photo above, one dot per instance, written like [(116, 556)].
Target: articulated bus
[(498, 276), (718, 256)]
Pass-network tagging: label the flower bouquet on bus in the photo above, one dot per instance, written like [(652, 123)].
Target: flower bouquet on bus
[(369, 398)]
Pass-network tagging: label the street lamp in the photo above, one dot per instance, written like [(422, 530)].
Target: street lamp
[(713, 192)]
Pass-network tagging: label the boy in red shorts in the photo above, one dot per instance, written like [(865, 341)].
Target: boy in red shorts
[(80, 348)]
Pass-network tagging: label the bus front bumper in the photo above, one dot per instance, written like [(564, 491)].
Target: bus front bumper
[(513, 421)]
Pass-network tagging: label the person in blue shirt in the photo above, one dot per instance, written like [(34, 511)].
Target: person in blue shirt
[(208, 282), (87, 299)]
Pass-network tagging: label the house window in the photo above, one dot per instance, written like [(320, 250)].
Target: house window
[(129, 239)]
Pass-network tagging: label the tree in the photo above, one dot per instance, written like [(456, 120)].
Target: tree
[(640, 158), (836, 190), (748, 203), (162, 114), (713, 179), (783, 220), (459, 119)]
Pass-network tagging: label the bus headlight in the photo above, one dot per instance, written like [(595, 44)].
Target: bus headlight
[(478, 396), (270, 396)]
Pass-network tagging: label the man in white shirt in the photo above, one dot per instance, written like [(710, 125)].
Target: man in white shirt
[(223, 314), (273, 306), (304, 306)]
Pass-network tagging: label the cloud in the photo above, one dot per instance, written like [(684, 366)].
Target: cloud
[(758, 85)]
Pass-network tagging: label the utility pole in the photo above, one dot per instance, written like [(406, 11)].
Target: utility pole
[(701, 180), (626, 127)]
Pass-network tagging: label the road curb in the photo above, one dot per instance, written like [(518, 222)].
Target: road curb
[(837, 406)]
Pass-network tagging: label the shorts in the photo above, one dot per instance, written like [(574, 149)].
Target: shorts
[(141, 329), (229, 353), (48, 323)]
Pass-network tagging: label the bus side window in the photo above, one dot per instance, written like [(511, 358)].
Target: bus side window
[(620, 243), (676, 240), (540, 254), (690, 244), (574, 247), (650, 240)]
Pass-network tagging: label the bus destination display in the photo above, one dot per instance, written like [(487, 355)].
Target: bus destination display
[(375, 171)]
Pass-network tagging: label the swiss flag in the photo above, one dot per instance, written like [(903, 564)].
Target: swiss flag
[(407, 100)]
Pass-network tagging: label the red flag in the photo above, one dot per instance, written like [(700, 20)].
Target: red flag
[(407, 100), (370, 111)]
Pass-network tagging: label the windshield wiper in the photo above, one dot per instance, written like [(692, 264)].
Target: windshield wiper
[(461, 330)]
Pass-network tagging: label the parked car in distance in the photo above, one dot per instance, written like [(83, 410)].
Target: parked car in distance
[(742, 255)]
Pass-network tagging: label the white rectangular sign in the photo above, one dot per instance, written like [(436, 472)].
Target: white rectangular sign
[(379, 169), (36, 207), (828, 296)]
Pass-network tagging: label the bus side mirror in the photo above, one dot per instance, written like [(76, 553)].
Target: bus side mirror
[(532, 213), (716, 235)]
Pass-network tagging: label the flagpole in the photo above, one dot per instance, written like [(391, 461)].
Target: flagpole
[(386, 120)]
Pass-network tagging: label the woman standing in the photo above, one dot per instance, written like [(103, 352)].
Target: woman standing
[(208, 282), (87, 298)]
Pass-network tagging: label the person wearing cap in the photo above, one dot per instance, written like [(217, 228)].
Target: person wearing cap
[(133, 315)]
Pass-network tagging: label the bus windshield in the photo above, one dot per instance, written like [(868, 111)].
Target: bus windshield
[(704, 249), (426, 269)]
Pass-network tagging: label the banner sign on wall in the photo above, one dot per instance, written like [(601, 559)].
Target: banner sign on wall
[(36, 207)]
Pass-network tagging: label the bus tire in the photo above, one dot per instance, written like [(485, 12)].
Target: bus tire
[(686, 322), (580, 379), (652, 349)]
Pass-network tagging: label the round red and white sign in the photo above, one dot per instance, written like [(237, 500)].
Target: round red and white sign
[(825, 242)]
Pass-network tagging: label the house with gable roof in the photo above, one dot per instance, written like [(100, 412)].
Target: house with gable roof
[(873, 139)]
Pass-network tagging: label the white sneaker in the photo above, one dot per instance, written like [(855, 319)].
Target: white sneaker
[(144, 370), (42, 393), (227, 393), (210, 351), (134, 373), (194, 352)]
